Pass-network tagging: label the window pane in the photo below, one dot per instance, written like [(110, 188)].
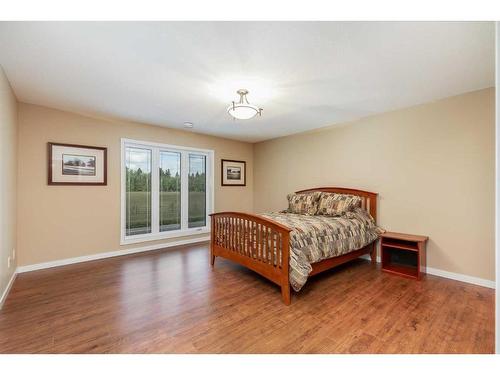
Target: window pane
[(197, 191), (170, 191), (138, 191)]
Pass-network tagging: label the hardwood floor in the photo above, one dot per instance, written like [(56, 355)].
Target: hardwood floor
[(171, 301)]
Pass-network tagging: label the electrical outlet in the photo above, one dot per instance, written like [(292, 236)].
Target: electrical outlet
[(8, 262)]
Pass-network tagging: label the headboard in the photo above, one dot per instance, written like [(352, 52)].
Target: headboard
[(368, 202)]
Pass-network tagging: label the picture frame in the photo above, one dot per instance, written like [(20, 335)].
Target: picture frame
[(233, 172), (72, 164)]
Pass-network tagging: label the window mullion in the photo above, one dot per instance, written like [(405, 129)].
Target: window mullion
[(184, 189), (155, 190)]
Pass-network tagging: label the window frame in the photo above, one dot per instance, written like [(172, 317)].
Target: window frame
[(155, 191)]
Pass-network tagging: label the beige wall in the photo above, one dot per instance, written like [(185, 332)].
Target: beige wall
[(8, 166), (58, 222), (433, 166)]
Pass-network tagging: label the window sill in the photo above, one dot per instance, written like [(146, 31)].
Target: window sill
[(164, 235)]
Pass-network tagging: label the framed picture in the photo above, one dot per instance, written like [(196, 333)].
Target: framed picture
[(77, 164), (233, 172)]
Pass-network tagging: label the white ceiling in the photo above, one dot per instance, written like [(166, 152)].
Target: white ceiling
[(305, 75)]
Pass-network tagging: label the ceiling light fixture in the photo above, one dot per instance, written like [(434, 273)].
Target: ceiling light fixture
[(243, 110)]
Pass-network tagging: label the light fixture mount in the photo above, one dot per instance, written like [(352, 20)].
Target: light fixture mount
[(243, 110)]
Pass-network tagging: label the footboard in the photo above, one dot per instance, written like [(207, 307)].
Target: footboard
[(257, 243)]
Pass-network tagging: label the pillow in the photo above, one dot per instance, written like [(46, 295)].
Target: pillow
[(303, 203), (334, 204)]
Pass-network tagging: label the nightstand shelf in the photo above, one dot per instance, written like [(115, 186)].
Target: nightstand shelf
[(405, 247), (401, 270), (403, 254)]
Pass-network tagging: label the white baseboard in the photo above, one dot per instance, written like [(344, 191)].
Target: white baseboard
[(87, 258), (461, 277), (452, 275), (7, 289)]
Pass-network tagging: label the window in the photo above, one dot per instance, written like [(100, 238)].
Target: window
[(197, 191), (138, 190), (166, 191), (170, 191)]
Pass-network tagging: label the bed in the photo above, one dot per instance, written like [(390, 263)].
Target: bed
[(287, 248)]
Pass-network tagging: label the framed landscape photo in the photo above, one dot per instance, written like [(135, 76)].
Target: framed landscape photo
[(233, 172), (76, 164)]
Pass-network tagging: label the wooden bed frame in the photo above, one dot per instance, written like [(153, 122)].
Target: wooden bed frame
[(262, 245)]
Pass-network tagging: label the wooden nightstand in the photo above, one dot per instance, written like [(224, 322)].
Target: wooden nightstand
[(403, 254)]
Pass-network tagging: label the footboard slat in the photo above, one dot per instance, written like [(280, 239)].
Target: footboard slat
[(265, 245), (272, 248), (255, 242)]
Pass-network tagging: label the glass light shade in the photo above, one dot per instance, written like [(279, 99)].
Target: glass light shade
[(243, 111)]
